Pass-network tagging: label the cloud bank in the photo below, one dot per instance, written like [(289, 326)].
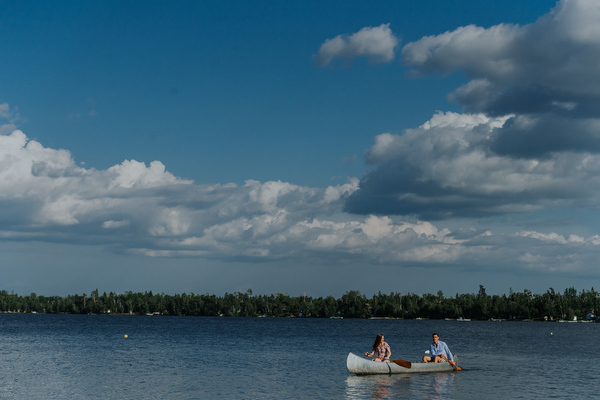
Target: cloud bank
[(529, 136), (145, 210), (139, 209)]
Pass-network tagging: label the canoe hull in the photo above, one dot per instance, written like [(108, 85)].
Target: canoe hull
[(362, 366)]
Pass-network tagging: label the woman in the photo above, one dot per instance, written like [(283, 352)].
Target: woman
[(381, 350)]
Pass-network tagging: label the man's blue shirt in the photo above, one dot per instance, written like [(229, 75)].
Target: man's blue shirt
[(442, 348)]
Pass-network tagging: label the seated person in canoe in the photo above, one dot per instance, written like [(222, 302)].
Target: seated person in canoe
[(439, 351), (381, 350)]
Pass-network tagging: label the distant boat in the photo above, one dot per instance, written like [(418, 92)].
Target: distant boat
[(462, 319)]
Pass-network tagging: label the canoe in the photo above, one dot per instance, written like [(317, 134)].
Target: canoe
[(363, 366)]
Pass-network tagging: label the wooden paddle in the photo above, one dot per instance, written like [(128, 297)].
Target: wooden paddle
[(451, 363), (402, 363)]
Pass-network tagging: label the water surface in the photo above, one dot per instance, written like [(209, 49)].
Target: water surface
[(88, 357)]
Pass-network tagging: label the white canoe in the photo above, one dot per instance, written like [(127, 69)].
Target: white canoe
[(362, 366)]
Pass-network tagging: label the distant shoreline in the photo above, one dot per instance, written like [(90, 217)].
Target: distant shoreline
[(570, 306), (290, 317)]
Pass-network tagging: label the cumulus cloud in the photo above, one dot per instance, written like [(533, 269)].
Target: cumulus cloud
[(546, 73), (376, 43), (520, 69), (134, 207), (448, 168)]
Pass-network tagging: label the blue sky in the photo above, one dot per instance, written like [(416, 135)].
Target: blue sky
[(309, 147)]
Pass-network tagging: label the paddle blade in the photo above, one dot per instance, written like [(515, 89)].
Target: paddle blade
[(402, 363)]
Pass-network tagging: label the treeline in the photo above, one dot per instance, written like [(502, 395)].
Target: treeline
[(480, 306)]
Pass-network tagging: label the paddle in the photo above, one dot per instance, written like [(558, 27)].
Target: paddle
[(451, 363), (402, 363)]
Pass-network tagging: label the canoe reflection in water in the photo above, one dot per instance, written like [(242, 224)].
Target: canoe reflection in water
[(442, 385), (387, 387)]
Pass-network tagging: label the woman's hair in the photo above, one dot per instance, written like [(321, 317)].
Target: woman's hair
[(378, 341)]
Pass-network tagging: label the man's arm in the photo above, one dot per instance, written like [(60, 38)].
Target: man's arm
[(448, 352)]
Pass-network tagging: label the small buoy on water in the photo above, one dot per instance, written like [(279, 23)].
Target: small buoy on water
[(125, 336)]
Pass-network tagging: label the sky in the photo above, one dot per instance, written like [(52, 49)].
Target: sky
[(299, 147)]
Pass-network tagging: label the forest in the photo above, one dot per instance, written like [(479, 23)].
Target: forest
[(549, 306)]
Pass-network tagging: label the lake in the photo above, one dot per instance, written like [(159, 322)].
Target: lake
[(88, 357)]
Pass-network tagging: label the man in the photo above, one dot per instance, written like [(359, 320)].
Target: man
[(438, 351)]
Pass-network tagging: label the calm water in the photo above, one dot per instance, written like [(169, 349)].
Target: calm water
[(87, 357)]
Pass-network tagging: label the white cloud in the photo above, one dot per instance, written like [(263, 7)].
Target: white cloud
[(115, 224), (448, 167), (555, 237), (376, 43), (484, 51), (131, 173), (516, 68)]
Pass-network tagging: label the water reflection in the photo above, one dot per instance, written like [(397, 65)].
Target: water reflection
[(443, 384), (430, 386)]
